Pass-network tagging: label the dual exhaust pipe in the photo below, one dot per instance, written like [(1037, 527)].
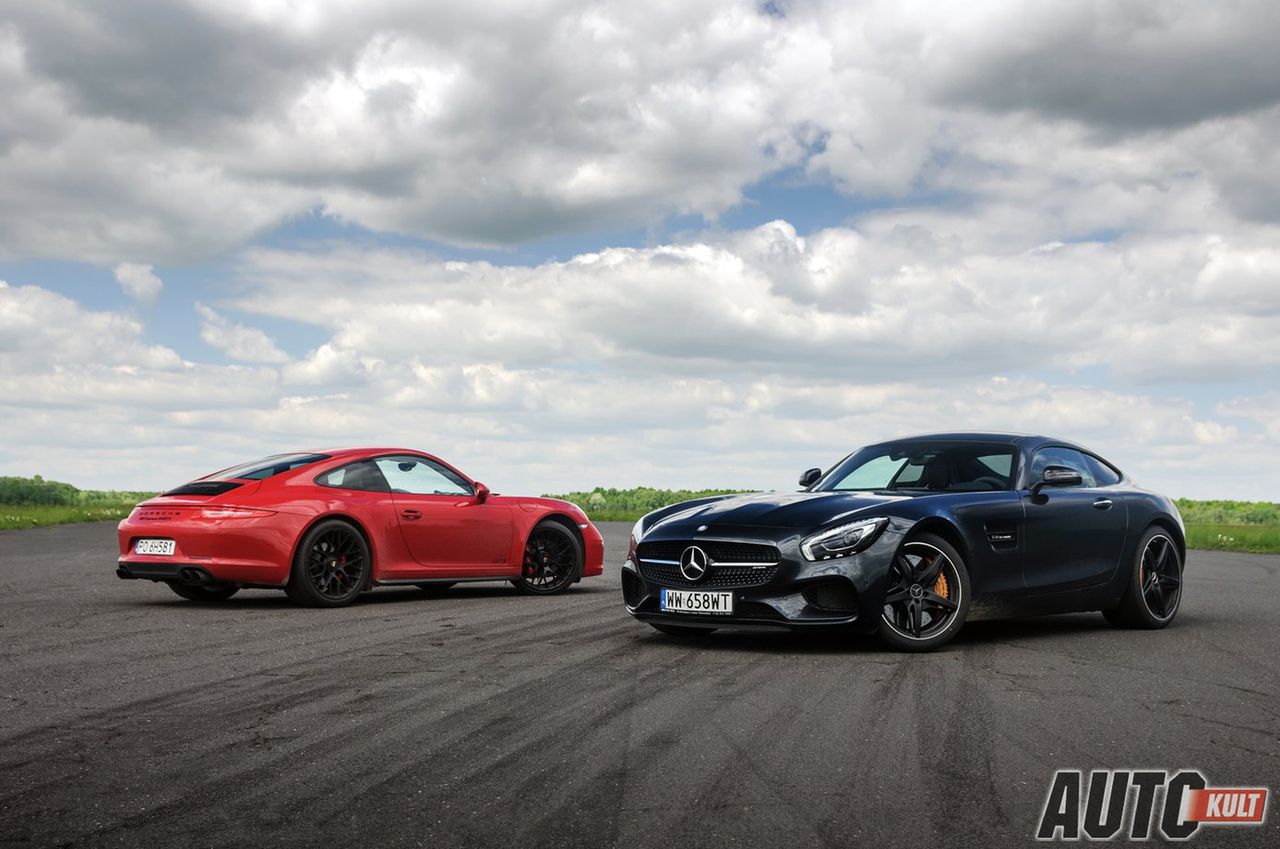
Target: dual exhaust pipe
[(185, 575)]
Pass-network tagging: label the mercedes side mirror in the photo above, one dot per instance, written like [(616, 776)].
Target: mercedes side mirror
[(1057, 476), (810, 477), (482, 492)]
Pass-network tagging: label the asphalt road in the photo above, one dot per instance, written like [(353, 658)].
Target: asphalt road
[(129, 717)]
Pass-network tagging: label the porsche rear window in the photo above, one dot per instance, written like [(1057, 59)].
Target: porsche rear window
[(267, 467)]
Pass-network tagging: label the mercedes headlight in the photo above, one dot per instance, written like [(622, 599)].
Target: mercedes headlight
[(636, 533), (843, 540)]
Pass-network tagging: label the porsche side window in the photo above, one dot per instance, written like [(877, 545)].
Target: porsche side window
[(420, 476), (1068, 457), (363, 476)]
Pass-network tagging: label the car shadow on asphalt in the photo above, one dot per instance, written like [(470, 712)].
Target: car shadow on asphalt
[(267, 598), (985, 632)]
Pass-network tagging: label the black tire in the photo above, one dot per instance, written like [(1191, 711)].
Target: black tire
[(208, 593), (1154, 591), (552, 560), (681, 630), (927, 597), (332, 566)]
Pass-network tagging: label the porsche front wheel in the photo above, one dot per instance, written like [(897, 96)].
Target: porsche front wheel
[(552, 560)]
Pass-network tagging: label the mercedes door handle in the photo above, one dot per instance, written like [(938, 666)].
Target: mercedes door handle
[(1102, 504), (411, 514)]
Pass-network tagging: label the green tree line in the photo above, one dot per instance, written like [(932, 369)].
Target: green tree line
[(1228, 512), (621, 504), (36, 491), (601, 501), (613, 504)]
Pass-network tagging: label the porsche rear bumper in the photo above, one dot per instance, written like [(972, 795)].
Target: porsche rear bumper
[(249, 552), (181, 573)]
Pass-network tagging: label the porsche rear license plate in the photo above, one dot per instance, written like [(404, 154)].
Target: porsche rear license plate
[(153, 546), (696, 601)]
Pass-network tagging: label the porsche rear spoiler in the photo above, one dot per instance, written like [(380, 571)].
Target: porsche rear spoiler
[(206, 488)]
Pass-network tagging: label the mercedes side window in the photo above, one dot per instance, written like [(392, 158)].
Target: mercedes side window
[(909, 476), (1068, 457), (997, 465), (363, 476), (420, 476), (1103, 474)]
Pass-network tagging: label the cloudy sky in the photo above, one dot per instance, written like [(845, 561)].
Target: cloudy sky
[(690, 243)]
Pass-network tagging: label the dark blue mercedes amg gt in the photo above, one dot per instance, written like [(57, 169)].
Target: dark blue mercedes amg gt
[(909, 538)]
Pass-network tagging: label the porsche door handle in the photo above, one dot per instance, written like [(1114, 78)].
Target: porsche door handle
[(411, 514), (1102, 504)]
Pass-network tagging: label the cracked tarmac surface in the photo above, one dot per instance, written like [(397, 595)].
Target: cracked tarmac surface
[(129, 717)]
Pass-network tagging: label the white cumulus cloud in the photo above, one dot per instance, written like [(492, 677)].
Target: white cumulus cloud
[(1053, 216), (138, 281), (179, 129), (237, 341)]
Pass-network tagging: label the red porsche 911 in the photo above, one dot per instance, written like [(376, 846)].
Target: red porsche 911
[(326, 526)]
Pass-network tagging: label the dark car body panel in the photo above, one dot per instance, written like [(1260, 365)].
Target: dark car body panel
[(1057, 550)]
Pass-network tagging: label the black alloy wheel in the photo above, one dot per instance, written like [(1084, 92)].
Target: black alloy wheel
[(552, 560), (1161, 576), (1154, 592), (332, 566), (927, 597)]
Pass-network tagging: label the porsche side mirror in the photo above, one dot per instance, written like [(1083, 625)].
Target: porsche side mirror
[(1057, 476), (482, 492), (810, 477)]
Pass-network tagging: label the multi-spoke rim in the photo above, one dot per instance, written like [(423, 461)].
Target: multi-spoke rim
[(549, 560), (1160, 576), (924, 592), (336, 563)]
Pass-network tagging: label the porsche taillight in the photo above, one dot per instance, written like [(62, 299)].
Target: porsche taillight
[(234, 513)]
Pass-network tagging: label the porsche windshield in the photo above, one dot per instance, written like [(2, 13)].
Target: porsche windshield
[(924, 467)]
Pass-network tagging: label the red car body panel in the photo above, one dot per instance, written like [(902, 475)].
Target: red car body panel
[(249, 535)]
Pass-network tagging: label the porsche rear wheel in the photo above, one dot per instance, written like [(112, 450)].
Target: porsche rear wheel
[(1155, 586), (552, 560), (928, 595), (197, 592), (331, 567)]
